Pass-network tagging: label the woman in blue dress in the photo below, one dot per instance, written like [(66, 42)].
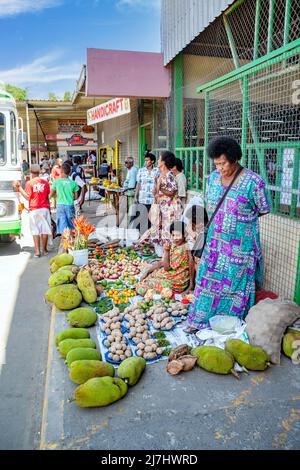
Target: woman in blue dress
[(231, 263)]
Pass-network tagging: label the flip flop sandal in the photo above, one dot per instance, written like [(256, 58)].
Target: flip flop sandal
[(190, 330)]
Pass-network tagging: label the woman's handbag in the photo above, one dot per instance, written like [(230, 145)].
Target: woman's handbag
[(201, 240)]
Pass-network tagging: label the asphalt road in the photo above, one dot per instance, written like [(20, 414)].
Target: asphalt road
[(24, 330)]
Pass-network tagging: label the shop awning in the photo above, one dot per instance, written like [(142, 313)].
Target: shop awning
[(126, 74)]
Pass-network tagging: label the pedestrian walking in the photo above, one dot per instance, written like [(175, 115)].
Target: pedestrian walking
[(130, 182), (37, 192), (65, 191)]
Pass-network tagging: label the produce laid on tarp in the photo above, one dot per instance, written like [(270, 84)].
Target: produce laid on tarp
[(134, 331)]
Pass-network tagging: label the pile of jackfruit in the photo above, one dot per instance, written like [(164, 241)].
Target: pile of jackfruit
[(98, 386)]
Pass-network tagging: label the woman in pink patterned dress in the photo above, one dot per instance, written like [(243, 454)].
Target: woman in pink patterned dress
[(167, 207)]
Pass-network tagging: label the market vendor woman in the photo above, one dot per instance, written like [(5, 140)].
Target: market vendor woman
[(231, 263), (176, 271)]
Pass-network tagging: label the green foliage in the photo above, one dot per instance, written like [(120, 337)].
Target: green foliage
[(67, 96), (52, 97), (20, 94)]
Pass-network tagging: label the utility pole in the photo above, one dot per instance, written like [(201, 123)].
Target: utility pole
[(28, 134)]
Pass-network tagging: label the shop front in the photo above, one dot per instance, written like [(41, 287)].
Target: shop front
[(76, 138)]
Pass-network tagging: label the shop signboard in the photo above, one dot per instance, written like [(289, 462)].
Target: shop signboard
[(77, 139), (109, 110), (71, 126)]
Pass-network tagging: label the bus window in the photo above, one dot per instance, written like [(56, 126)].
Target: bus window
[(2, 140), (13, 138)]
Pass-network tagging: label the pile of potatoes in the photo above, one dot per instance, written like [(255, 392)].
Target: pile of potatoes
[(115, 341), (140, 334), (161, 315)]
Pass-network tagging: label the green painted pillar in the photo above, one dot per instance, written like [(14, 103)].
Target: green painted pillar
[(297, 287), (245, 118), (287, 21), (257, 30), (178, 99), (271, 25), (205, 156), (142, 144)]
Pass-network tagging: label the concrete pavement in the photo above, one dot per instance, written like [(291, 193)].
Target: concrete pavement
[(195, 410)]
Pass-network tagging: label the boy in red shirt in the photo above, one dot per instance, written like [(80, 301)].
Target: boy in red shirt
[(37, 192)]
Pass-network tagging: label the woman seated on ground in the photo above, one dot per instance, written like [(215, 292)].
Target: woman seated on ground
[(176, 270)]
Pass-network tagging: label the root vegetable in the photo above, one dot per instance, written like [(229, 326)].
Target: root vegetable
[(169, 326), (150, 355), (174, 367), (179, 351), (188, 362)]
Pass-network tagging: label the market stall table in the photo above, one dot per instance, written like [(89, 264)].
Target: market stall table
[(116, 198)]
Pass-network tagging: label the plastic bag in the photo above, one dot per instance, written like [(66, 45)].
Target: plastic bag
[(225, 327)]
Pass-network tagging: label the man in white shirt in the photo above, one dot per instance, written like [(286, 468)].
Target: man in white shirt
[(146, 179), (180, 180)]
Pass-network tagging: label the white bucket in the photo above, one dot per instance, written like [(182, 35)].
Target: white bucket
[(81, 257), (132, 236)]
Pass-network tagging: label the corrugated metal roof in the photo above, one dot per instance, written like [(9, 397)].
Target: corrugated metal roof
[(183, 20)]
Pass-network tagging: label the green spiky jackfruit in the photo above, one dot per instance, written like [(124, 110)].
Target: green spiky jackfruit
[(86, 286), (72, 333), (248, 356), (62, 277), (100, 391), (68, 267), (49, 296), (83, 317), (131, 369), (82, 371), (288, 343), (67, 297), (60, 260), (53, 268), (67, 345), (80, 354), (214, 359)]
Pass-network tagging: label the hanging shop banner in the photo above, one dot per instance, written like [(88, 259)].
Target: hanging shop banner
[(109, 110)]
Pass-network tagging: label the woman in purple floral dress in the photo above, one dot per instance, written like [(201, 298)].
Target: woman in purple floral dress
[(231, 262)]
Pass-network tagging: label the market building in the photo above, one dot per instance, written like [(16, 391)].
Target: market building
[(142, 82), (235, 71)]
